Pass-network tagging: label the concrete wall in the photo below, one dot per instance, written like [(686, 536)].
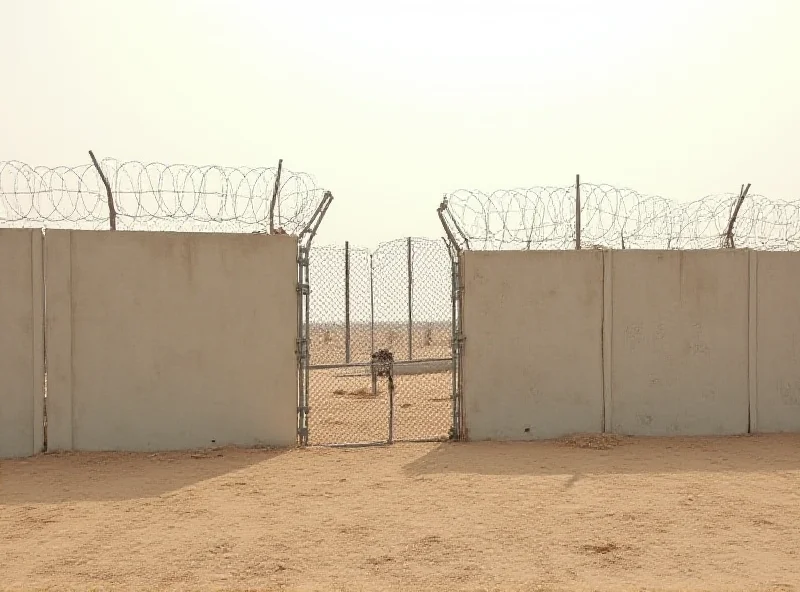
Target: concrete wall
[(631, 342), (776, 295), (170, 341), (21, 343), (679, 342), (533, 365)]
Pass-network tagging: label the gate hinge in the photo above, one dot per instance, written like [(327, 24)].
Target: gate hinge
[(303, 409), (303, 289), (301, 347), (302, 257)]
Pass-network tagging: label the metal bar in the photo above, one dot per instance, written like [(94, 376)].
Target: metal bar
[(372, 319), (355, 444), (440, 211), (275, 191), (313, 224), (400, 363), (304, 240), (461, 232), (391, 406), (300, 347), (577, 212), (307, 339), (454, 344), (420, 440), (347, 302), (319, 214), (112, 212), (410, 314), (461, 428), (729, 231)]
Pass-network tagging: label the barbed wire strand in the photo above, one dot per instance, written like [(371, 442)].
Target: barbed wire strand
[(156, 196), (611, 217)]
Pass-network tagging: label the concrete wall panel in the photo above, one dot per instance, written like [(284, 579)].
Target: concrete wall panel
[(21, 343), (170, 340), (777, 407), (532, 356), (679, 344)]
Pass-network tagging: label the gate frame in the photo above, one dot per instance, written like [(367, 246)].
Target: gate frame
[(304, 240), (305, 365), (458, 338)]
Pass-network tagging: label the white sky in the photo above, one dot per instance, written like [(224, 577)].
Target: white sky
[(392, 104)]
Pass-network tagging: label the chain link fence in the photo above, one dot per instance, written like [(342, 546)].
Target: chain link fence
[(397, 298)]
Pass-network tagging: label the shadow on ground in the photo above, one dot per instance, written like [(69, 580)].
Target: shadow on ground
[(118, 476), (743, 454)]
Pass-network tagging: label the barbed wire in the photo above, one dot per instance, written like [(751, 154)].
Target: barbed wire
[(156, 196), (544, 218)]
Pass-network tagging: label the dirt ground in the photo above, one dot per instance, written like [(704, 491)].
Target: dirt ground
[(582, 514), (429, 340), (343, 409)]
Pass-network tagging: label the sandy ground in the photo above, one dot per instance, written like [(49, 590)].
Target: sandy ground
[(343, 409), (586, 514), (428, 340)]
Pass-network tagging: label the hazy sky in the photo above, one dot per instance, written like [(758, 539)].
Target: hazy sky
[(391, 104)]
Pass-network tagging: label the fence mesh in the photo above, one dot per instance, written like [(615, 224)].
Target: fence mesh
[(344, 405)]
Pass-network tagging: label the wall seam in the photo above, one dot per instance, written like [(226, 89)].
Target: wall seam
[(31, 259), (608, 321), (70, 252), (752, 343)]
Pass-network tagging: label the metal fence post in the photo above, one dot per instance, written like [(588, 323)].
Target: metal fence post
[(347, 302), (460, 430), (390, 381), (410, 319), (304, 240), (372, 321), (275, 189), (727, 238), (577, 212), (303, 361), (112, 211), (451, 250)]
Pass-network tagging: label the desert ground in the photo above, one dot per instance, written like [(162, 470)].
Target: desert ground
[(428, 340), (585, 513), (343, 408)]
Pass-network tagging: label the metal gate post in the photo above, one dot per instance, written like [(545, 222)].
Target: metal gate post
[(303, 292), (372, 320), (410, 318), (303, 348), (346, 302), (453, 338), (458, 378), (457, 341)]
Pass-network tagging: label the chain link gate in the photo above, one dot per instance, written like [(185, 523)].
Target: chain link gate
[(398, 300)]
